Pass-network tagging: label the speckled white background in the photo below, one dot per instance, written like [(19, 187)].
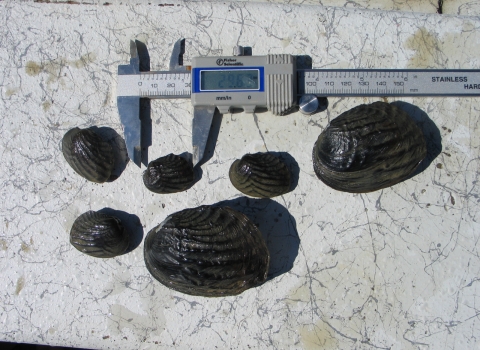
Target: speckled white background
[(397, 268)]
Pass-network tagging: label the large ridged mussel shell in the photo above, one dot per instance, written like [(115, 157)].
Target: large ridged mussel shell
[(261, 175), (88, 154), (368, 148), (99, 235), (207, 251), (169, 174)]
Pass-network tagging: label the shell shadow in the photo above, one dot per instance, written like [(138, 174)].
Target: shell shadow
[(131, 223), (119, 150), (292, 166), (278, 227), (431, 133)]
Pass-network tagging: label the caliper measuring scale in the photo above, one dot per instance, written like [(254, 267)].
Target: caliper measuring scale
[(272, 82)]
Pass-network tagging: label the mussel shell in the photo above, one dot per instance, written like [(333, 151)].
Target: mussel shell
[(261, 175), (88, 154), (169, 174), (207, 251), (368, 148), (99, 235)]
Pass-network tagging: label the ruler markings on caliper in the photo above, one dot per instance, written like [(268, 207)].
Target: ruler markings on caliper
[(353, 82), (155, 85), (389, 82)]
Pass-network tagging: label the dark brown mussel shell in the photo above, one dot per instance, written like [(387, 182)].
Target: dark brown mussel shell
[(99, 235), (88, 154), (368, 148), (169, 174), (207, 251), (261, 175)]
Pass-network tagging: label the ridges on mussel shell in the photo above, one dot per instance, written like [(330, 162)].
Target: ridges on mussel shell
[(261, 175), (88, 154), (368, 148), (169, 174), (207, 251), (99, 235)]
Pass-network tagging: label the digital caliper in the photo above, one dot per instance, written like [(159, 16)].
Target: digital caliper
[(271, 81)]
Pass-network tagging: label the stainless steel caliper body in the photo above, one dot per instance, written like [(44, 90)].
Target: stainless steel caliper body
[(272, 82)]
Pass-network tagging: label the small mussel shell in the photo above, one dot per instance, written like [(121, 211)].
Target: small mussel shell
[(368, 148), (207, 251), (99, 235), (260, 175), (169, 174), (88, 154)]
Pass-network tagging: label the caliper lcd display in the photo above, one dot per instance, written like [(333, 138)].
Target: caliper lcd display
[(221, 80)]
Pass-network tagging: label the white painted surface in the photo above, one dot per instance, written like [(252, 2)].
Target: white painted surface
[(396, 268)]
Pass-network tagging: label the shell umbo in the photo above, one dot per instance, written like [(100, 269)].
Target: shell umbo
[(368, 148), (261, 175), (207, 251), (99, 235), (88, 154)]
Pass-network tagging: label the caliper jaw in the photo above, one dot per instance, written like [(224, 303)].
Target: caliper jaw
[(129, 106), (129, 109), (202, 121), (202, 115)]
